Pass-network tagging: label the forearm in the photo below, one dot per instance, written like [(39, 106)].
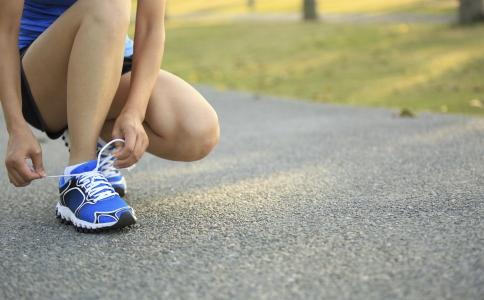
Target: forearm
[(10, 95), (148, 54)]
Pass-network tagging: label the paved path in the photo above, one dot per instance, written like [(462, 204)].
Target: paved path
[(300, 200)]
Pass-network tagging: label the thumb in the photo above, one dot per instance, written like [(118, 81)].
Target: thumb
[(117, 134), (36, 157)]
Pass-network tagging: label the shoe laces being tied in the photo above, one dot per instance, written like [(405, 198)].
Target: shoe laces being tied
[(94, 182), (95, 185), (106, 162)]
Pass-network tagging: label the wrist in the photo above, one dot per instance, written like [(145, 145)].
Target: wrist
[(17, 126), (133, 112)]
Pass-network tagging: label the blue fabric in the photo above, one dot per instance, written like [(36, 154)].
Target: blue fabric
[(85, 167), (38, 15), (89, 211), (73, 199), (103, 211), (114, 179), (106, 219)]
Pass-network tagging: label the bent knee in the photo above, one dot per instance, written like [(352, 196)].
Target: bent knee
[(206, 144), (201, 140)]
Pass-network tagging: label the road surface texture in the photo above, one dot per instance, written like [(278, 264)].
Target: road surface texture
[(299, 201)]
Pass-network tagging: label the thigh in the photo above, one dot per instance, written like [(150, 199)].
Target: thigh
[(175, 108), (181, 125), (46, 63)]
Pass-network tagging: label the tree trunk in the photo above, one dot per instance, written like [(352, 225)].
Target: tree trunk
[(471, 11), (310, 10)]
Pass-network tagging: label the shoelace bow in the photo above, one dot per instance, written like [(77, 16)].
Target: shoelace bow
[(94, 182)]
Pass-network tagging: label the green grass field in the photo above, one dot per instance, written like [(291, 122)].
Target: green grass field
[(328, 6), (421, 67)]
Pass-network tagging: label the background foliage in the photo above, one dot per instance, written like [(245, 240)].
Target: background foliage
[(427, 65)]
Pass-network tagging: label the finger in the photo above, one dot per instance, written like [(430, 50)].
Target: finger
[(22, 168), (147, 143), (16, 179), (116, 134), (13, 179), (138, 151), (128, 147), (126, 163), (37, 162), (123, 164), (140, 148)]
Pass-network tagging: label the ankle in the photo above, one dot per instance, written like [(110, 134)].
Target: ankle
[(75, 159)]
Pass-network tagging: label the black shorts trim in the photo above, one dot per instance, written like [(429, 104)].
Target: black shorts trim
[(30, 110)]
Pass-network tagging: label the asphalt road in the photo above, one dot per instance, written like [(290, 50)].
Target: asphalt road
[(299, 200)]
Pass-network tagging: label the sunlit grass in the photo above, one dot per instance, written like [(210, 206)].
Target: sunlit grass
[(329, 6), (421, 67)]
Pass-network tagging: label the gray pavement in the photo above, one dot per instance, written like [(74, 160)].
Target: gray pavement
[(299, 201)]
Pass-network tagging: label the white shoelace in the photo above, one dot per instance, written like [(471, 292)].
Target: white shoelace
[(94, 182), (106, 165), (96, 186)]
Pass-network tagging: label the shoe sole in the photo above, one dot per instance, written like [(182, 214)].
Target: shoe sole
[(65, 216)]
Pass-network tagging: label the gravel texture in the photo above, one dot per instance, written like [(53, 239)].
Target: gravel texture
[(299, 201)]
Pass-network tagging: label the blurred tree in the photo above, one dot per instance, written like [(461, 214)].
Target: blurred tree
[(310, 10), (471, 11), (251, 4)]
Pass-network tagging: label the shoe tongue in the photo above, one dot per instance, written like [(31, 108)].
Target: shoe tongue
[(82, 168), (100, 144)]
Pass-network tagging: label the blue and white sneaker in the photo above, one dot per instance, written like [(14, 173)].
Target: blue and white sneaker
[(106, 167), (89, 202)]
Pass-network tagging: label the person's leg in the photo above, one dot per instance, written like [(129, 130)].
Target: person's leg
[(181, 125), (74, 68)]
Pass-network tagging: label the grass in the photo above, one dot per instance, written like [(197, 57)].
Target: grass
[(422, 67), (327, 6)]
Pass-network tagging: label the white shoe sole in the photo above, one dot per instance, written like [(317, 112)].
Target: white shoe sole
[(67, 216)]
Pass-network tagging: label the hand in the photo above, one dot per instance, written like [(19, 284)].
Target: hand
[(130, 128), (23, 145)]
